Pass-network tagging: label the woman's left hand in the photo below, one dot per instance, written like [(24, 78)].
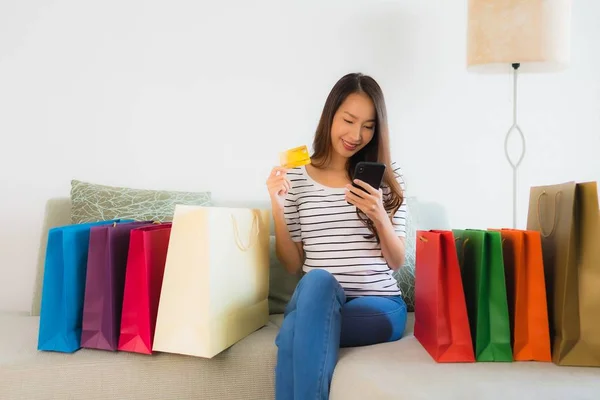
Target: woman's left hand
[(370, 203)]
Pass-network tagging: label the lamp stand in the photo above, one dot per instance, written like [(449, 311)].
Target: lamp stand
[(515, 127)]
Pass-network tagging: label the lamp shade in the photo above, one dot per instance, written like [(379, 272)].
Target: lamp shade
[(533, 33)]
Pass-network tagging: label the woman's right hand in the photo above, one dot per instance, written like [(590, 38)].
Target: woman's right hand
[(278, 185)]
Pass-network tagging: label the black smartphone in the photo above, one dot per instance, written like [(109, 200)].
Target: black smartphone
[(369, 172)]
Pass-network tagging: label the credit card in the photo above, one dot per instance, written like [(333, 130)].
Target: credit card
[(296, 157)]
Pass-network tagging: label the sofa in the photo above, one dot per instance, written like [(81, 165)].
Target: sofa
[(245, 371)]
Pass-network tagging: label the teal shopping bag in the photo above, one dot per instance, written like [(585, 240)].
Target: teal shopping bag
[(63, 286)]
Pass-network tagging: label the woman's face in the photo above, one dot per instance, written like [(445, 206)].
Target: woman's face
[(353, 125)]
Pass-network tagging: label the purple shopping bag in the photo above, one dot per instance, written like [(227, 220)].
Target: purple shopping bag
[(105, 283)]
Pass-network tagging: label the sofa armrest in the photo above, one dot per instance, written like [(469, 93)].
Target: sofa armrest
[(58, 213)]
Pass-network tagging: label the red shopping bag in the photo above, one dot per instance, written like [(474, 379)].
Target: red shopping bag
[(143, 281), (441, 319)]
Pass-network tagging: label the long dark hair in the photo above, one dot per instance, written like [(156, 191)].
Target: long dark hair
[(378, 149)]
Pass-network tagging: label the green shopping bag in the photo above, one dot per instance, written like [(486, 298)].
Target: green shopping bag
[(482, 268)]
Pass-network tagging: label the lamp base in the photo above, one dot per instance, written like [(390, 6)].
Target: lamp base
[(515, 128)]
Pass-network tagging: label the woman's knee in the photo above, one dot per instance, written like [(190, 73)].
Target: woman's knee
[(320, 278), (319, 282)]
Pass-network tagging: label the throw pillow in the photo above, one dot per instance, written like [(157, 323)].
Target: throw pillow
[(406, 275), (92, 202), (281, 283)]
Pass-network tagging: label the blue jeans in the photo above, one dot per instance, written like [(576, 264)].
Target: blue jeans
[(318, 320)]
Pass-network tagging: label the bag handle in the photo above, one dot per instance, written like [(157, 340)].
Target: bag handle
[(554, 223), (461, 255), (464, 244), (253, 236)]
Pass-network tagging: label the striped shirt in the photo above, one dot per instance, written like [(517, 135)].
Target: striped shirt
[(333, 236)]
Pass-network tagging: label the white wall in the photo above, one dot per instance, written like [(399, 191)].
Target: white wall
[(187, 94)]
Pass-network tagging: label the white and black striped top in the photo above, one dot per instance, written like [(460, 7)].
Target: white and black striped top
[(333, 236)]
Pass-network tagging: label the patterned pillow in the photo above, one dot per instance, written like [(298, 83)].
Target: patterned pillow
[(406, 275), (91, 202)]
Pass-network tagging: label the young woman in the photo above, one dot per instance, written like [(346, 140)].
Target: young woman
[(347, 241)]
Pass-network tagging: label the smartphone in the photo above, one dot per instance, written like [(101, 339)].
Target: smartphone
[(369, 172)]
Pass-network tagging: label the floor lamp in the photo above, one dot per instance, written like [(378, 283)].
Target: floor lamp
[(518, 36)]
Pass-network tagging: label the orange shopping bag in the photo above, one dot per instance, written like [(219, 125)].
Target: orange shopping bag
[(526, 291)]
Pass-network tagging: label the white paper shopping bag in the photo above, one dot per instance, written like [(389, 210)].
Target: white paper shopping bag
[(216, 281)]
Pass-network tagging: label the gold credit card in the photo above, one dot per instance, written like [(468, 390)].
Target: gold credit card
[(295, 157)]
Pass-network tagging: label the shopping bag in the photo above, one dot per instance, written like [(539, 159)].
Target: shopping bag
[(216, 280), (526, 293), (63, 287), (441, 321), (482, 270), (568, 219), (104, 285), (143, 281)]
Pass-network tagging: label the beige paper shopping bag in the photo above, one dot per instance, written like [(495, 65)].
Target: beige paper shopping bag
[(216, 281), (567, 216)]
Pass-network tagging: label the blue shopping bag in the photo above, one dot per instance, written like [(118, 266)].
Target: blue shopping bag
[(64, 285)]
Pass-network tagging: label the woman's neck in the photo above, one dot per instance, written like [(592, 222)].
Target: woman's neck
[(336, 163)]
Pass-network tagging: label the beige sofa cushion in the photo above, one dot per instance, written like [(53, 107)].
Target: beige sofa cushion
[(243, 372), (390, 371), (404, 370)]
